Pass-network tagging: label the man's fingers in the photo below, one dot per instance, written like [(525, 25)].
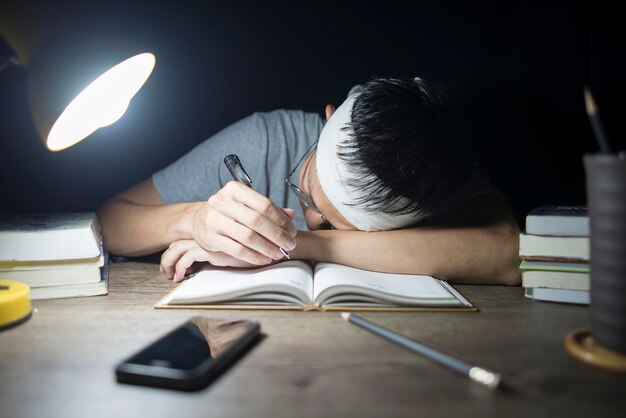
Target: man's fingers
[(177, 261), (228, 229), (249, 238), (240, 223), (259, 233), (187, 259), (175, 251), (290, 212), (220, 259), (183, 266), (264, 207), (235, 249)]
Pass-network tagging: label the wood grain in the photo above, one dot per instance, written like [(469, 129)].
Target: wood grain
[(61, 362)]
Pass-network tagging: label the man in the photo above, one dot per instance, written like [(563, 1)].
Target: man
[(382, 186)]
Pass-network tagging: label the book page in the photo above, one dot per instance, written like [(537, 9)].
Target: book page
[(355, 284), (233, 285)]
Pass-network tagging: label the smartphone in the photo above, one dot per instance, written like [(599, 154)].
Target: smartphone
[(192, 355)]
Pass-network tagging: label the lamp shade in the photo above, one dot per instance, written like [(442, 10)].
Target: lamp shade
[(78, 81), (73, 97)]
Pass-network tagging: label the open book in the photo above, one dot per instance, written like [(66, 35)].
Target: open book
[(298, 285)]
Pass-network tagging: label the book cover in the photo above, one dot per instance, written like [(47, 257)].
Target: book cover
[(555, 265), (45, 237), (558, 221), (39, 222)]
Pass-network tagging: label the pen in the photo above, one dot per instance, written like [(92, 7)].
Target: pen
[(477, 374), (239, 174)]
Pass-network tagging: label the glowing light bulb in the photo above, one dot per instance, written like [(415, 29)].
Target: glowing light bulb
[(111, 114), (101, 103)]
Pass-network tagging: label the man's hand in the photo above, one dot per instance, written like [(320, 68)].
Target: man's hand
[(177, 260), (237, 222)]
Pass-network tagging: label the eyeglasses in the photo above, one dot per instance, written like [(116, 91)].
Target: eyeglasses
[(304, 198)]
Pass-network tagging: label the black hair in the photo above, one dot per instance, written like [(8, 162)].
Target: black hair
[(402, 133)]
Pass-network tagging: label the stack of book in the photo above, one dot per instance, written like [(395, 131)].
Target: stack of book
[(57, 255), (555, 254)]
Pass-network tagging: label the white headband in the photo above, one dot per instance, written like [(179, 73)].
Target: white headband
[(334, 175)]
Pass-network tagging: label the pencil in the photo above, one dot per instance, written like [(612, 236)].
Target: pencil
[(476, 374), (596, 123)]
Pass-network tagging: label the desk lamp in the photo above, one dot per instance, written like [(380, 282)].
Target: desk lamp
[(77, 82)]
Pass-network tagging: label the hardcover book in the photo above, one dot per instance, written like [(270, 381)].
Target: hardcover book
[(78, 289), (571, 266), (556, 279), (579, 297), (537, 246), (324, 286), (558, 221), (54, 272), (45, 237)]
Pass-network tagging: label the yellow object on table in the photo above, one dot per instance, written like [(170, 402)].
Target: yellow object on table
[(14, 303)]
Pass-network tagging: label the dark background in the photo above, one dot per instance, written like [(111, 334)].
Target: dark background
[(516, 69)]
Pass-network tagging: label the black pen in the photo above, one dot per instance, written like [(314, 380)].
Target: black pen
[(477, 374), (239, 174)]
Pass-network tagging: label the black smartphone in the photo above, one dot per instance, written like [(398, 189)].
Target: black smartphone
[(192, 355)]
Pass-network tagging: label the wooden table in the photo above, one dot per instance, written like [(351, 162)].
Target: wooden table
[(60, 363)]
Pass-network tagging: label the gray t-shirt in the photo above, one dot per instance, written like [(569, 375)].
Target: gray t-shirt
[(268, 144)]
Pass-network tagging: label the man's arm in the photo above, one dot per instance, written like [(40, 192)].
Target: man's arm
[(136, 222), (236, 221), (479, 245)]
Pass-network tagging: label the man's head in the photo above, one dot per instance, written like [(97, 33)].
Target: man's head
[(386, 159)]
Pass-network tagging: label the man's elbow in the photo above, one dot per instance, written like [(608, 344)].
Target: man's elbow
[(110, 220), (508, 272), (510, 275)]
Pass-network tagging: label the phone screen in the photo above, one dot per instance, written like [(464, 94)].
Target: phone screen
[(190, 352)]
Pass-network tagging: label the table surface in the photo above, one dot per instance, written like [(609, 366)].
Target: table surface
[(309, 364)]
